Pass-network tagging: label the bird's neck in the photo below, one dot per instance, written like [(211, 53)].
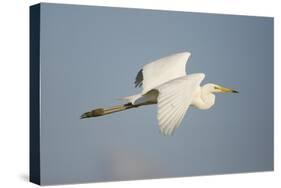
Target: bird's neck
[(208, 99)]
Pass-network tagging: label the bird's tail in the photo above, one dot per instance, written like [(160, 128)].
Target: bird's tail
[(104, 111)]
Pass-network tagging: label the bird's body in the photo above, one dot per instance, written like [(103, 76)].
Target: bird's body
[(203, 99), (166, 84)]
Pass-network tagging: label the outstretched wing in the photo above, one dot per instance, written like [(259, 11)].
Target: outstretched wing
[(139, 79), (174, 99), (161, 71)]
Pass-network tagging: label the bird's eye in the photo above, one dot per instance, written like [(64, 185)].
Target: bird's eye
[(215, 87)]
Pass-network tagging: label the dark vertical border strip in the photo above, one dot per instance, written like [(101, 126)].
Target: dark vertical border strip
[(273, 74), (34, 89)]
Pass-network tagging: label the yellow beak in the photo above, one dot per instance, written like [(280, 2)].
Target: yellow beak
[(227, 90)]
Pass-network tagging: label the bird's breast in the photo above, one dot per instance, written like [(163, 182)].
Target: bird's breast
[(201, 102)]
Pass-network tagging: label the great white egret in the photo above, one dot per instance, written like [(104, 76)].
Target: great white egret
[(165, 83)]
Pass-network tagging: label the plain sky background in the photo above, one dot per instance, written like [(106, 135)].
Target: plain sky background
[(90, 56)]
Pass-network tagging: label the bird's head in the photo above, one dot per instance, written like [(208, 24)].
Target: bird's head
[(214, 88)]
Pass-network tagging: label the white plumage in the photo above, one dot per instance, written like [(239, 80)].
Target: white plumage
[(174, 99), (163, 70), (175, 89), (165, 83)]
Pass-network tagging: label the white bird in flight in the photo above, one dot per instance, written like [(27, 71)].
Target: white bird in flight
[(165, 83)]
